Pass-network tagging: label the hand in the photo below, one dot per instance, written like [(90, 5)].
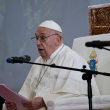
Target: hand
[(10, 105), (34, 104)]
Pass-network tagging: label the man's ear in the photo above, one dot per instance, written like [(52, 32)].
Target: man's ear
[(58, 40)]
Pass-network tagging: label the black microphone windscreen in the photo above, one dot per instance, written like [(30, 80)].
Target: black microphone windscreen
[(25, 58), (97, 43)]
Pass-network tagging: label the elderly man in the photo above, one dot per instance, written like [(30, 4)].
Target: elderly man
[(45, 83)]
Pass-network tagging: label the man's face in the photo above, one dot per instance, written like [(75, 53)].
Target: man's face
[(47, 47)]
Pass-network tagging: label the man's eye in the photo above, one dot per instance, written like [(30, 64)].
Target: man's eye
[(42, 38)]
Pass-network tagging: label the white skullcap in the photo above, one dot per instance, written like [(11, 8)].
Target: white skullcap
[(51, 25)]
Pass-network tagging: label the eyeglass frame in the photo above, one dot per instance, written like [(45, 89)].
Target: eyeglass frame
[(39, 38)]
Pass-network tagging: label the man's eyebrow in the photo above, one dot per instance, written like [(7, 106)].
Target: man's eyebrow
[(40, 33)]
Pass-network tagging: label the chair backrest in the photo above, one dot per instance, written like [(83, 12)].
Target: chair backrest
[(103, 57), (99, 19)]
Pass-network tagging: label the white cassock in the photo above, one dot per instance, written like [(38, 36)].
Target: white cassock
[(57, 83)]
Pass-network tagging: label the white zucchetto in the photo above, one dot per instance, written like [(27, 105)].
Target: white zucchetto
[(51, 25)]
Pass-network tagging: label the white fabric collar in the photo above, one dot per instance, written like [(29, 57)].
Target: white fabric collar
[(54, 53)]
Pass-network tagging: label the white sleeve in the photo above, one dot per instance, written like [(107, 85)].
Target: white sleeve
[(4, 107), (60, 95)]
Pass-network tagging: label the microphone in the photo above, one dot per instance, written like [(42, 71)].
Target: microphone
[(97, 43), (25, 58)]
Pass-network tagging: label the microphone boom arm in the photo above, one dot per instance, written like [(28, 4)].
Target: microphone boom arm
[(68, 68), (103, 48)]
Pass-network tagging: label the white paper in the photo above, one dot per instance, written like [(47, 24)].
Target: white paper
[(12, 96)]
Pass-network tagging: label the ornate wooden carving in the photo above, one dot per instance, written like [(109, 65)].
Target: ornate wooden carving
[(99, 19)]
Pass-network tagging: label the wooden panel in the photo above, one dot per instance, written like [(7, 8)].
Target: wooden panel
[(99, 19)]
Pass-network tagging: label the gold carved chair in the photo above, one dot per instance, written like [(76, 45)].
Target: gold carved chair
[(99, 19)]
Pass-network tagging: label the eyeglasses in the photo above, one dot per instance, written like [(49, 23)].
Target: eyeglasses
[(42, 38)]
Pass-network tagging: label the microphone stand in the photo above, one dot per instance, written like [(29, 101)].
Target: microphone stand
[(102, 48), (86, 76)]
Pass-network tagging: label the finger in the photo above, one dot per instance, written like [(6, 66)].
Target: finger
[(14, 108), (6, 102), (23, 101), (30, 108), (11, 105), (27, 104), (8, 106)]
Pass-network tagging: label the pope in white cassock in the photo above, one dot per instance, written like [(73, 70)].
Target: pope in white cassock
[(45, 83)]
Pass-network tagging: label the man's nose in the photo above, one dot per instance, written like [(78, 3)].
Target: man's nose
[(38, 42)]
